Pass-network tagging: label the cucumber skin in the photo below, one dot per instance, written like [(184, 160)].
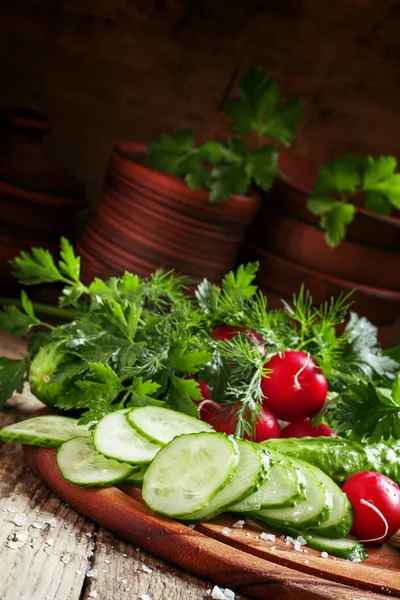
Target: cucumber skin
[(340, 458), (11, 438)]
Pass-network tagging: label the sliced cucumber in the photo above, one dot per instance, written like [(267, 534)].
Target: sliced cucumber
[(188, 472), (115, 438), (311, 511), (48, 431), (79, 463), (283, 487), (347, 547), (250, 472), (137, 477), (340, 521), (161, 425)]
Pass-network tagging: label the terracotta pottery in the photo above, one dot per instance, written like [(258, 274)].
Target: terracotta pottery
[(38, 200), (146, 220), (287, 241)]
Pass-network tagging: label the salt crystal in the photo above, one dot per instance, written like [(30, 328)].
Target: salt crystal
[(300, 540), (229, 595), (217, 593), (273, 548), (306, 562), (145, 597), (20, 519), (49, 542), (226, 531), (107, 562), (78, 572), (37, 525), (146, 569), (124, 581), (192, 525), (268, 537), (12, 545), (297, 546), (208, 591), (248, 534), (124, 555), (91, 573), (52, 522), (239, 524), (21, 537), (288, 540), (93, 594), (11, 509), (324, 555), (89, 535), (137, 549)]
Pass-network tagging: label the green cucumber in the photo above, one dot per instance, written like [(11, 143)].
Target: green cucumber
[(283, 487), (311, 511), (115, 438), (251, 471), (161, 425), (340, 458), (188, 473), (137, 477), (48, 431), (347, 547), (340, 521), (80, 464)]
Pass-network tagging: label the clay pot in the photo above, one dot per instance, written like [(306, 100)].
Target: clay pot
[(38, 200), (287, 241), (146, 220)]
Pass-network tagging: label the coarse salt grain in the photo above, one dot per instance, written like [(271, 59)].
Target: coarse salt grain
[(11, 509), (12, 545), (226, 531), (91, 573), (268, 537), (145, 597), (239, 524), (124, 555), (273, 548), (300, 540), (20, 519), (93, 594), (324, 555), (229, 594), (49, 542), (107, 562), (21, 537), (146, 569), (37, 525), (217, 593), (192, 525), (89, 535), (306, 562)]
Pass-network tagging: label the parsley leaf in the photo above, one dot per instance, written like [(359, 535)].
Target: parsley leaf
[(19, 322), (36, 267), (241, 282), (381, 184), (369, 414), (335, 220), (261, 165), (181, 394), (12, 377)]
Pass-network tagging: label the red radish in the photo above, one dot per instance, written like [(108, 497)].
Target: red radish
[(228, 332), (223, 419), (305, 428), (205, 392), (376, 503), (296, 387)]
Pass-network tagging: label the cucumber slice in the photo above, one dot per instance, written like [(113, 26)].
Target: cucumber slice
[(79, 463), (311, 511), (161, 425), (340, 521), (137, 477), (348, 547), (283, 487), (251, 471), (115, 438), (188, 472), (48, 431)]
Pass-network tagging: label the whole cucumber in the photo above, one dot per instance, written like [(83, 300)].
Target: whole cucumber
[(339, 458)]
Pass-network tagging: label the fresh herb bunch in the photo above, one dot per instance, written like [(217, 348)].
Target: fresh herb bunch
[(134, 341), (341, 179), (230, 168)]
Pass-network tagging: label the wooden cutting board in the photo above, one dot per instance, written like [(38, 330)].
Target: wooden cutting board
[(241, 560)]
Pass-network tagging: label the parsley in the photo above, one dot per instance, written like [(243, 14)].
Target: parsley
[(341, 179), (230, 168), (12, 376)]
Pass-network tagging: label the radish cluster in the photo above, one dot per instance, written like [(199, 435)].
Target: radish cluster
[(294, 390)]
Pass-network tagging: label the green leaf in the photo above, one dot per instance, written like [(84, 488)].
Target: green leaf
[(69, 264), (261, 165), (103, 373), (396, 389), (188, 362), (339, 175), (335, 220), (210, 152), (207, 296), (36, 267), (259, 94), (241, 281), (15, 321), (228, 180), (142, 392), (281, 123), (181, 394), (36, 341), (131, 288), (381, 184), (320, 203), (13, 374)]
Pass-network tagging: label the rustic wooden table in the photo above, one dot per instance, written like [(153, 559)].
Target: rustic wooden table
[(57, 554)]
